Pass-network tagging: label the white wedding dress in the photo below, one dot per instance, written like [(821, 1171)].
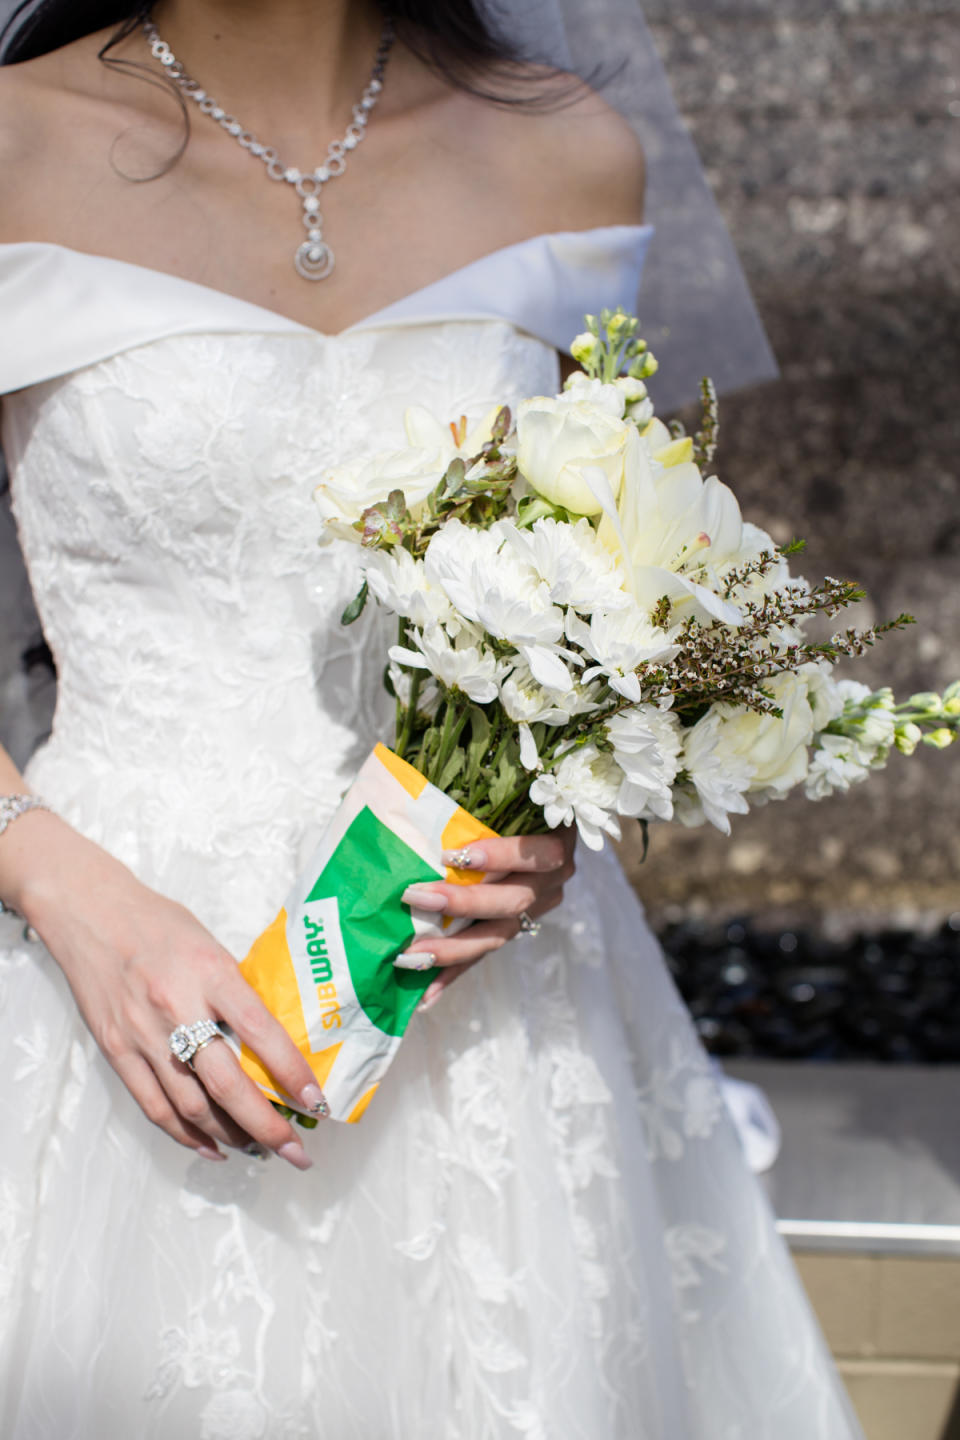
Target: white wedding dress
[(544, 1226)]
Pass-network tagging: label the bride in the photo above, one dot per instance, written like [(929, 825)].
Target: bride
[(544, 1226)]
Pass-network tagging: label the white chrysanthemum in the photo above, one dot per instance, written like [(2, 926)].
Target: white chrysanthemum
[(456, 665), (646, 745), (487, 582), (582, 789), (525, 700), (835, 764), (716, 782), (428, 696), (400, 582), (576, 568), (620, 641)]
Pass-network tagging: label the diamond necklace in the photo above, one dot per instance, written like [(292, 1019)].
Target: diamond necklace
[(314, 259)]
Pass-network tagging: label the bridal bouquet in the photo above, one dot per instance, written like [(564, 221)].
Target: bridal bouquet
[(588, 630)]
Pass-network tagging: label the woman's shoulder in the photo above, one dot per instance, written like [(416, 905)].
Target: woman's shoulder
[(568, 151)]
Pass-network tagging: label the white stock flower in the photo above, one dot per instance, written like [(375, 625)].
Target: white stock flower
[(456, 665), (562, 438), (576, 568), (584, 789), (490, 584), (717, 782), (400, 583), (646, 745), (619, 641), (835, 764)]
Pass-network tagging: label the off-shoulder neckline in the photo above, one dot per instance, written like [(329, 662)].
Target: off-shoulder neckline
[(396, 311)]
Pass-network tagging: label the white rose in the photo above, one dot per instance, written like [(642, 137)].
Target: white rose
[(559, 439), (776, 748)]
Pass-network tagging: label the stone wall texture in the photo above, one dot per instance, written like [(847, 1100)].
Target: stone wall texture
[(831, 136)]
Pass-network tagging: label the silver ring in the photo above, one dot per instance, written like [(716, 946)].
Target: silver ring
[(188, 1040), (529, 926)]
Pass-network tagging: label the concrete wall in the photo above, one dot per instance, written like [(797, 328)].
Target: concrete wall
[(831, 135)]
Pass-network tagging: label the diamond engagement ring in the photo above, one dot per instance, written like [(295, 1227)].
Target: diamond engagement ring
[(188, 1040), (529, 926)]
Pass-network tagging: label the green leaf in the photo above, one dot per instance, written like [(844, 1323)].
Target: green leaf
[(505, 782), (453, 479), (479, 740), (452, 769), (355, 609), (387, 522)]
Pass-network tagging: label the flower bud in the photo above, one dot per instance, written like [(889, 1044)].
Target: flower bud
[(908, 737), (585, 348), (620, 324), (940, 738), (648, 366)]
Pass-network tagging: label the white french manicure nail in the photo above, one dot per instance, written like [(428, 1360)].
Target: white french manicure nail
[(421, 899), (209, 1153), (412, 960)]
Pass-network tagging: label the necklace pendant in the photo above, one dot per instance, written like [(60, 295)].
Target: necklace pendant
[(314, 260)]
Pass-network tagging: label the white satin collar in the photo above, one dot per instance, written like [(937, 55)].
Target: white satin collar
[(62, 309)]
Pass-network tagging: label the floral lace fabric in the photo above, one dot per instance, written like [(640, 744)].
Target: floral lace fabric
[(543, 1227)]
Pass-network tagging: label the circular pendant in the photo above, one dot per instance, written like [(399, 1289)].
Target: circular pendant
[(313, 260)]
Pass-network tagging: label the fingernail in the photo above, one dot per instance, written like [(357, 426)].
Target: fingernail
[(256, 1152), (314, 1099), (209, 1153), (430, 997), (423, 899), (294, 1153), (469, 857), (415, 960)]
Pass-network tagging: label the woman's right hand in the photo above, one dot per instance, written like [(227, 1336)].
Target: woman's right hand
[(139, 965)]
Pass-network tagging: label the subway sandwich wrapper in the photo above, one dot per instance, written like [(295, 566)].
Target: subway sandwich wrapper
[(324, 967)]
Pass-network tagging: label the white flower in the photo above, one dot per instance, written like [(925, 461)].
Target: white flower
[(456, 665), (620, 641), (561, 438), (646, 745), (775, 747), (674, 532), (529, 755), (583, 788), (835, 764), (524, 699), (400, 582), (717, 782), (488, 583), (428, 696), (576, 568), (346, 491)]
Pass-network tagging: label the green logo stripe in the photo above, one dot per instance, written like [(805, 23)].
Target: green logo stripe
[(367, 873)]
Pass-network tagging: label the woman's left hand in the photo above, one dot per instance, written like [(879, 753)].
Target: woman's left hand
[(525, 876)]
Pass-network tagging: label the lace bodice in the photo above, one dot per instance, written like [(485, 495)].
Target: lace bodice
[(210, 702)]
